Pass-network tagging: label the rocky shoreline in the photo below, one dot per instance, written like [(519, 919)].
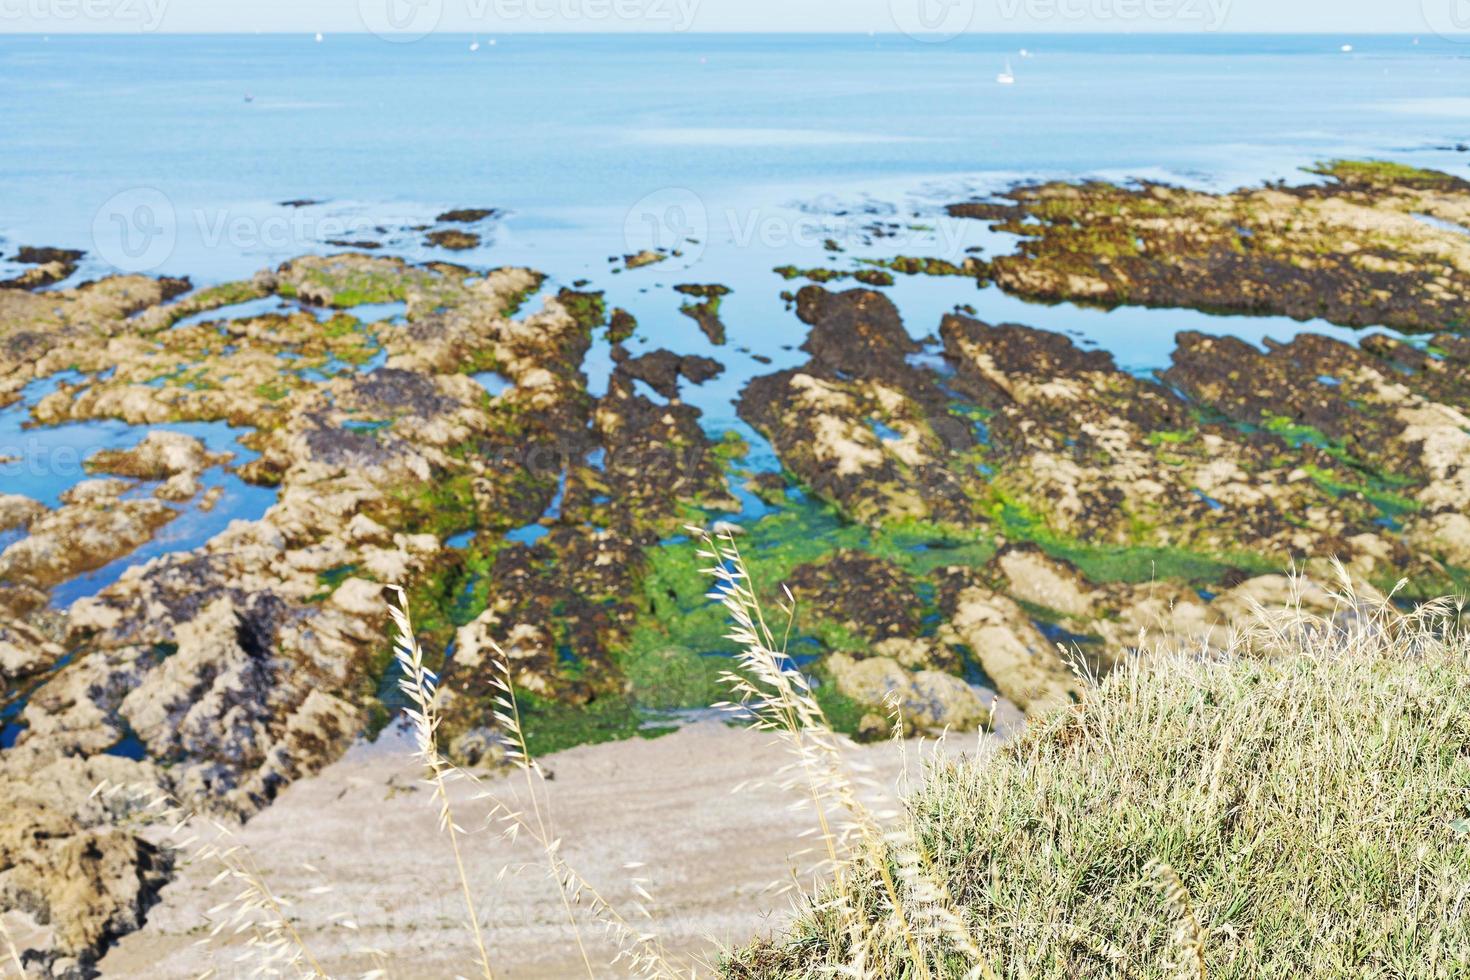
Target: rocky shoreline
[(962, 517)]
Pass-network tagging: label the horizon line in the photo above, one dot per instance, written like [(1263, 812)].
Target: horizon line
[(1080, 32)]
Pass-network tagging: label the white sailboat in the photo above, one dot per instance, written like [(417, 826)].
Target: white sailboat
[(318, 37), (475, 44), (1006, 77)]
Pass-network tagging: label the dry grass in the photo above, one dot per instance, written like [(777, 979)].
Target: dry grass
[(1299, 807)]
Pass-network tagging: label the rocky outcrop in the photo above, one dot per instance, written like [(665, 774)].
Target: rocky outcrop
[(929, 701), (863, 594), (25, 652), (662, 369), (171, 458), (67, 861), (96, 525), (1355, 249), (860, 425), (1026, 668), (256, 658), (705, 312)]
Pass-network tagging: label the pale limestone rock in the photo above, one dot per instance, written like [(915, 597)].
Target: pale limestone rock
[(1036, 578), (159, 456), (928, 700), (24, 651), (17, 511), (91, 530), (358, 596), (1446, 534), (1027, 669)]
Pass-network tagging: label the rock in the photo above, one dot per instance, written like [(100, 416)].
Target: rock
[(452, 239), (252, 660), (50, 265), (917, 653), (160, 455), (868, 596), (90, 886), (93, 528), (1350, 249), (61, 862), (479, 748), (467, 216), (17, 511), (180, 488), (645, 257), (621, 325), (18, 600), (706, 312), (1446, 534), (1033, 576), (359, 596), (1026, 668), (929, 700), (527, 649), (662, 369), (24, 651)]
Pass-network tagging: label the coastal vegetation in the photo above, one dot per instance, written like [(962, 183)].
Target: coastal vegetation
[(1294, 806)]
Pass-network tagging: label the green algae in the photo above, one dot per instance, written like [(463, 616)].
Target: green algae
[(910, 265), (621, 325), (790, 272), (551, 726), (443, 506), (1384, 173), (589, 309)]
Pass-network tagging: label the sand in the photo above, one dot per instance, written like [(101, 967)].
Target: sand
[(367, 824)]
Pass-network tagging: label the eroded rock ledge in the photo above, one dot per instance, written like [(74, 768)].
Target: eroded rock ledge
[(1371, 244)]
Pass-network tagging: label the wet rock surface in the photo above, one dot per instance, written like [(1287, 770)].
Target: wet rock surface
[(705, 312), (662, 369), (95, 525), (1353, 249), (453, 239)]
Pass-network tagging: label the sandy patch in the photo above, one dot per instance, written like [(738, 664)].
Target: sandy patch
[(369, 828)]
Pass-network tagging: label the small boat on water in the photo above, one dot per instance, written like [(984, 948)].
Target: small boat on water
[(318, 37), (1347, 49), (475, 44), (1006, 77)]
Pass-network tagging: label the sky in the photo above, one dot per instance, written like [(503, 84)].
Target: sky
[(405, 18)]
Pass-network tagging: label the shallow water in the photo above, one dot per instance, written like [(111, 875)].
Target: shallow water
[(43, 462)]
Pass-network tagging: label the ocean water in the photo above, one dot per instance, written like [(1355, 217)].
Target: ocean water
[(173, 155)]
